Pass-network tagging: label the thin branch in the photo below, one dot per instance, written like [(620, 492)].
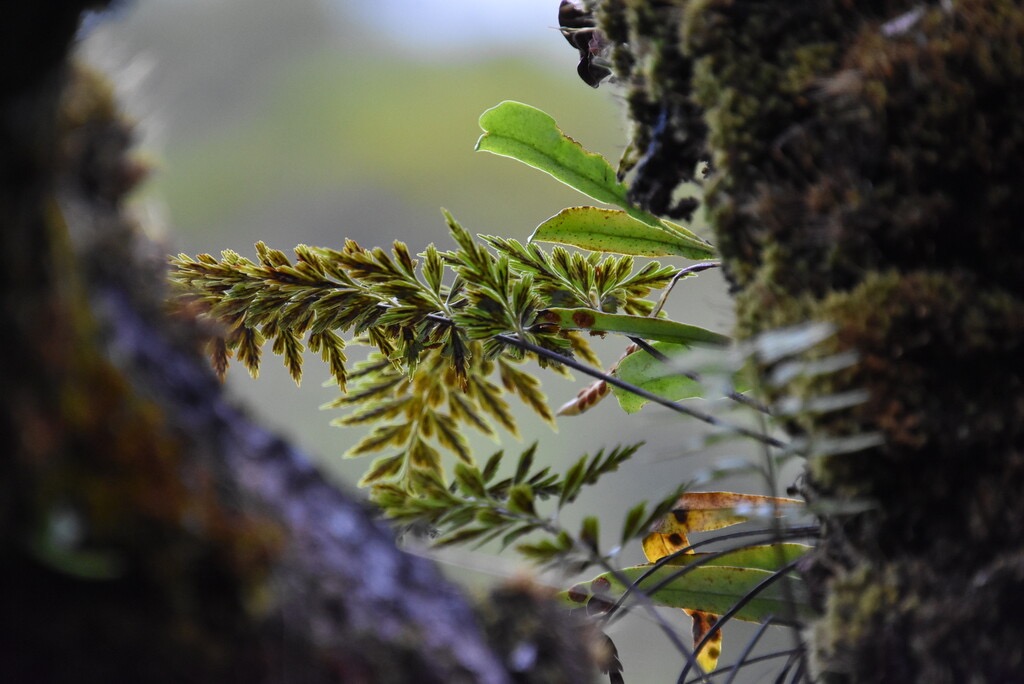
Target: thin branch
[(516, 341), (737, 607), (555, 529), (648, 604), (772, 476), (801, 668), (735, 396), (796, 657), (752, 661), (694, 268), (792, 533), (747, 650)]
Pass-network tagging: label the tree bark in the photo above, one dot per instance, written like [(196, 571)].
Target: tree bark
[(867, 168), (149, 530)]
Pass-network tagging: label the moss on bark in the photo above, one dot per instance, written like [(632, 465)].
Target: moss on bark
[(868, 164)]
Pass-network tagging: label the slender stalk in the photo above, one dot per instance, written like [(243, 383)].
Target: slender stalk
[(694, 268), (751, 595), (752, 661), (735, 396), (801, 668), (747, 650), (645, 601), (517, 341), (772, 476), (795, 658)]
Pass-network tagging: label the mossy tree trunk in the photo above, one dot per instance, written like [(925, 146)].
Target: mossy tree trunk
[(149, 530), (867, 170)]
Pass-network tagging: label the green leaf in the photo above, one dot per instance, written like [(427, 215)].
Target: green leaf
[(525, 463), (673, 227), (543, 551), (491, 467), (513, 129), (491, 517), (383, 469), (470, 480), (462, 536), (527, 387), (655, 376), (424, 456), (660, 329), (613, 230), (573, 481), (488, 398), (433, 269), (381, 437), (590, 533), (520, 499), (516, 533), (631, 524), (516, 130), (761, 557), (712, 589), (450, 437)]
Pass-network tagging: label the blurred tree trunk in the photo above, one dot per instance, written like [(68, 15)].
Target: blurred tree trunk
[(149, 531), (867, 170)]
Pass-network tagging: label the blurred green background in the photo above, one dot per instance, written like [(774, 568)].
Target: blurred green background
[(312, 121)]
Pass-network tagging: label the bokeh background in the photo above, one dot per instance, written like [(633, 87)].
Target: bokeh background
[(310, 121)]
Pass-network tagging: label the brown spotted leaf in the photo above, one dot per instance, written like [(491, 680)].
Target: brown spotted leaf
[(593, 393), (705, 512)]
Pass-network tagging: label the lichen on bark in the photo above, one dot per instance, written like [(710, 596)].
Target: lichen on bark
[(867, 162)]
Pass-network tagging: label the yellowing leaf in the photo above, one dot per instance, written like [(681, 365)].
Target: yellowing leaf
[(717, 584), (707, 511), (703, 623), (704, 512)]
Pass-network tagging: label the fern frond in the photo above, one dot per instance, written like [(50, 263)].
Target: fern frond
[(444, 361)]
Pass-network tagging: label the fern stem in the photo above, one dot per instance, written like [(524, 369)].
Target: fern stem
[(750, 596), (747, 650), (694, 268), (735, 396), (639, 391), (752, 661)]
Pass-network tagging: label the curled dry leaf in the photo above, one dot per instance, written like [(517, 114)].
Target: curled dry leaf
[(590, 395)]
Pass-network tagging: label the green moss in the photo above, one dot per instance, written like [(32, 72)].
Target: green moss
[(867, 162), (126, 528), (856, 603), (956, 637)]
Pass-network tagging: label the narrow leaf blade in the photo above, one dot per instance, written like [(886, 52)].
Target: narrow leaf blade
[(712, 589), (660, 329)]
